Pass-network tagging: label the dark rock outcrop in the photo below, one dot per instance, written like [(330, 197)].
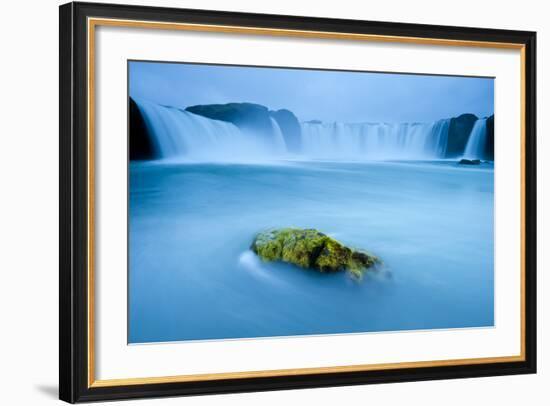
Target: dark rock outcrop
[(309, 248), (256, 118), (246, 116), (290, 127), (141, 143), (459, 132), (490, 143)]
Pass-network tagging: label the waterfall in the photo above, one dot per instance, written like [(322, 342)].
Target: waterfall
[(437, 144), (180, 134), (475, 148), (279, 139), (375, 140)]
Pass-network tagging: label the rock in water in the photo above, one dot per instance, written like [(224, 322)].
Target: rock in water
[(309, 248), (469, 162)]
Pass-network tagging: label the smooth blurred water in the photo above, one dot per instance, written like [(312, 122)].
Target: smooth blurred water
[(192, 277)]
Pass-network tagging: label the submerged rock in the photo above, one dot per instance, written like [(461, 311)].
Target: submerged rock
[(469, 162), (309, 248)]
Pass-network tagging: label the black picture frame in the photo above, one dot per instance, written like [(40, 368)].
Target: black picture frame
[(74, 385)]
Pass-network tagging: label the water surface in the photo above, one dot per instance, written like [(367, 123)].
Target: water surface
[(192, 276)]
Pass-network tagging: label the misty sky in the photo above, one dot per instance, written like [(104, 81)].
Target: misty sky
[(311, 94)]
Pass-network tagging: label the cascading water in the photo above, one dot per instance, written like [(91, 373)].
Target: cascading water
[(280, 144), (375, 140), (179, 134), (475, 148), (437, 145)]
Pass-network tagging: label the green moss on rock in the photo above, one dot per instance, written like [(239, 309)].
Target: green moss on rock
[(309, 248)]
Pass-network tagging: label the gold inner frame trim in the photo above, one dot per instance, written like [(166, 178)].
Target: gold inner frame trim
[(94, 22)]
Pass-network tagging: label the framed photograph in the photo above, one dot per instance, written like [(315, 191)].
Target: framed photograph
[(255, 202)]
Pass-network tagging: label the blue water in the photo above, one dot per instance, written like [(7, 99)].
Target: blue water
[(192, 277)]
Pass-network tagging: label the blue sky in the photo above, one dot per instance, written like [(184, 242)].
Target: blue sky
[(314, 94)]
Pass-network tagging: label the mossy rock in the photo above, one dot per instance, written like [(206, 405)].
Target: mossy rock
[(309, 248)]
